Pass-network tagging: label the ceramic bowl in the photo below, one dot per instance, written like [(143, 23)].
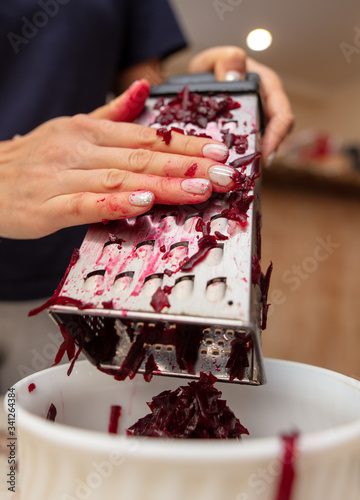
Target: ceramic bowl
[(75, 458)]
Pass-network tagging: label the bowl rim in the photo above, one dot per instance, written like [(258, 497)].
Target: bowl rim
[(310, 443)]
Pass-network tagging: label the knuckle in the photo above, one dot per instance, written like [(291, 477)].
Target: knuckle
[(167, 186), (75, 205), (139, 160), (81, 122), (233, 52), (146, 136), (188, 144), (113, 179)]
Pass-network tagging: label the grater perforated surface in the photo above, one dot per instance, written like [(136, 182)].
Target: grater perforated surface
[(122, 264)]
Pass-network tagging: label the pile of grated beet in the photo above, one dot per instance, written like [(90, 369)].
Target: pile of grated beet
[(192, 411)]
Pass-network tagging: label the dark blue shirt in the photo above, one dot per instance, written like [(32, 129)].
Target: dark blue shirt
[(60, 57)]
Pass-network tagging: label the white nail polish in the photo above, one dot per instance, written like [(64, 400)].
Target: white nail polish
[(233, 76), (270, 159), (217, 152), (195, 186), (141, 198), (221, 175)]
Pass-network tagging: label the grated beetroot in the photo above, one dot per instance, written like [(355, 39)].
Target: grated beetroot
[(150, 368), (239, 142), (206, 243), (160, 300), (264, 287), (238, 359), (288, 471), (194, 108), (52, 412), (165, 134), (255, 269), (192, 411), (191, 170), (55, 299), (115, 413), (243, 161)]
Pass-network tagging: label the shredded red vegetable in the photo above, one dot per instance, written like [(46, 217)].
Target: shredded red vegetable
[(115, 413), (192, 411)]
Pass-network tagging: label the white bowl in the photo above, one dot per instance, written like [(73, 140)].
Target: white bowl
[(76, 459)]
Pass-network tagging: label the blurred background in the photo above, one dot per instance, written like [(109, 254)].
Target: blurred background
[(311, 193)]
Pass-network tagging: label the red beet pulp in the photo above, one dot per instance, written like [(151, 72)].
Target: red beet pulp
[(192, 411), (194, 108)]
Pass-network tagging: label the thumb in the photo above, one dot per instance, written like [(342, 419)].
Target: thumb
[(127, 106)]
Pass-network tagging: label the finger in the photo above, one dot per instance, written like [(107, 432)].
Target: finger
[(143, 161), (169, 190), (220, 60), (86, 208), (277, 108), (127, 106), (279, 125), (133, 136)]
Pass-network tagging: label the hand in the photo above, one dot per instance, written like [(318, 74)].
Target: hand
[(231, 62), (87, 168)]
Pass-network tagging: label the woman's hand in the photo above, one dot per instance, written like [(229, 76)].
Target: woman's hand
[(87, 168), (231, 63)]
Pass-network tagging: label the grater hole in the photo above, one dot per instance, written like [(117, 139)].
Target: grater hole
[(183, 287), (215, 289), (152, 283), (122, 281), (206, 331), (144, 247), (217, 331), (190, 222), (100, 272), (219, 223), (169, 348), (94, 279), (149, 214), (215, 352), (157, 347), (203, 351), (168, 221), (221, 343), (215, 255), (113, 244), (209, 341), (178, 251)]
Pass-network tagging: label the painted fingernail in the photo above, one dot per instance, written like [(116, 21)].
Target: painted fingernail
[(270, 159), (221, 175), (233, 76), (195, 186), (217, 152), (141, 198)]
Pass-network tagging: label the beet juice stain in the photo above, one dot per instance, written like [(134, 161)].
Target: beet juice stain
[(288, 474)]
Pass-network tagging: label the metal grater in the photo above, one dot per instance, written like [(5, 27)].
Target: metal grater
[(122, 264)]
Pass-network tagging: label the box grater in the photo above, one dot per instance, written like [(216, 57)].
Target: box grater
[(135, 302)]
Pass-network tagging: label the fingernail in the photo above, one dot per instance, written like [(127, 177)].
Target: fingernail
[(233, 76), (141, 198), (217, 152), (270, 159), (221, 175), (195, 186)]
